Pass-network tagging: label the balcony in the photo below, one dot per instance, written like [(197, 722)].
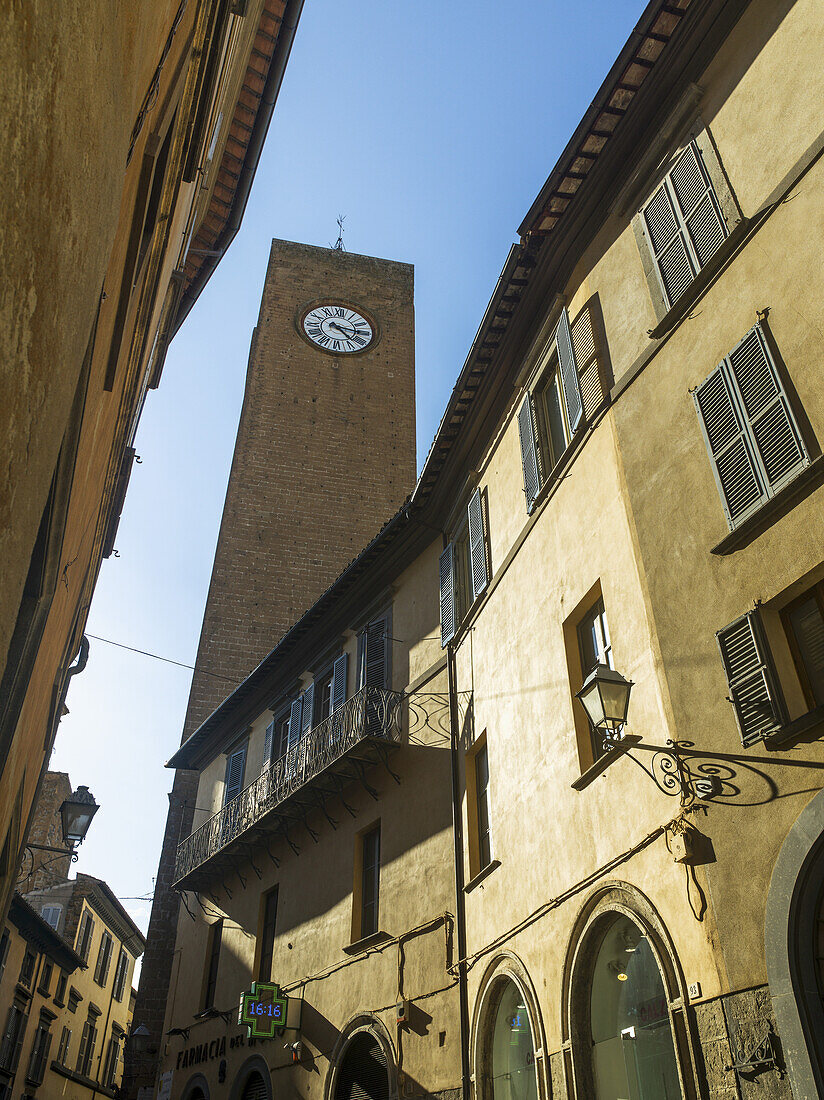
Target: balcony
[(326, 760)]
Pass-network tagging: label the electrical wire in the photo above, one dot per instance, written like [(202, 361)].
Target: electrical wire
[(166, 660)]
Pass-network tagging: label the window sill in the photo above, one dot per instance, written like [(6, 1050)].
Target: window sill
[(359, 946), (481, 875), (775, 508), (797, 728), (615, 752), (701, 281), (80, 1078)]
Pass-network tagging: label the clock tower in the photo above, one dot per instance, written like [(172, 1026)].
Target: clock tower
[(325, 454)]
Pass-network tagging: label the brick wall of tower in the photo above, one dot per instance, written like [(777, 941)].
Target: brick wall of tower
[(325, 454), (40, 869)]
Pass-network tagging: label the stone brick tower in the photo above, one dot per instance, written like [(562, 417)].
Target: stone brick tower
[(325, 454)]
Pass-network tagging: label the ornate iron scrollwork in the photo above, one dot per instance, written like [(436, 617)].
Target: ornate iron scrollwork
[(679, 770), (764, 1055)]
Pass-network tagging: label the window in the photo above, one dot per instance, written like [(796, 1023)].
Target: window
[(267, 935), (630, 1026), (374, 649), (39, 1053), (13, 1037), (120, 975), (63, 1047), (60, 992), (45, 977), (753, 440), (481, 762), (593, 639), (370, 844), (463, 570), (683, 223), (323, 697), (276, 739), (553, 411), (110, 1064), (751, 677), (511, 1057), (104, 958), (27, 968), (51, 915), (85, 931), (804, 625), (235, 767), (212, 961), (87, 1044)]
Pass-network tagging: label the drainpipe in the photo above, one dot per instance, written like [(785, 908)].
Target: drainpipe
[(457, 834)]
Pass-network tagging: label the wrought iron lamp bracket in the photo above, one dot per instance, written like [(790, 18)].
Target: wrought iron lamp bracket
[(764, 1055), (674, 773)]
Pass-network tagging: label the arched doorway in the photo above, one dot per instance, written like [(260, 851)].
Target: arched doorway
[(255, 1088), (507, 1034), (625, 1026), (363, 1072), (252, 1081), (794, 943)]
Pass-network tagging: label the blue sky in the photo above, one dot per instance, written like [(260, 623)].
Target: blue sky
[(431, 127)]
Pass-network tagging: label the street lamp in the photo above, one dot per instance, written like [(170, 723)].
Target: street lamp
[(139, 1040), (76, 813), (605, 698)]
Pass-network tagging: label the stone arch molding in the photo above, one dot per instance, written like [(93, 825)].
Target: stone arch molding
[(603, 904), (363, 1022), (506, 966), (198, 1081), (255, 1063), (796, 883)]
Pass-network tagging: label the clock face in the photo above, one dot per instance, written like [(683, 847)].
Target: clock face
[(337, 329)]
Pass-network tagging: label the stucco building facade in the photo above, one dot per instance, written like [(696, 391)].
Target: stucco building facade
[(130, 141), (626, 480)]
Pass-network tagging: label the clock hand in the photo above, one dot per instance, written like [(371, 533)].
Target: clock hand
[(334, 324)]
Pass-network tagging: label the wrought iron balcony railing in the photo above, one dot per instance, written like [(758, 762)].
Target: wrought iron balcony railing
[(372, 717)]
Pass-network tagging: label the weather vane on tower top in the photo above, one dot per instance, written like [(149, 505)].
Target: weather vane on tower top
[(338, 246)]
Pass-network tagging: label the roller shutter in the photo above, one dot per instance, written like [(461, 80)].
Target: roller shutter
[(363, 1073)]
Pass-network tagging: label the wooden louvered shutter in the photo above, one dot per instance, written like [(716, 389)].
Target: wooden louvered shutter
[(267, 744), (234, 774), (698, 204), (293, 735), (753, 688), (529, 452), (777, 441), (363, 1073), (375, 659), (449, 612), (568, 369), (308, 708), (669, 247), (477, 544), (340, 671), (730, 450)]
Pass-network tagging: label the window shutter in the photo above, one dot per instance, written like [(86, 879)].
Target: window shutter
[(234, 774), (767, 412), (753, 688), (699, 206), (668, 245), (569, 371), (736, 471), (376, 665), (267, 745), (308, 707), (449, 617), (294, 722), (529, 452), (340, 671), (477, 544)]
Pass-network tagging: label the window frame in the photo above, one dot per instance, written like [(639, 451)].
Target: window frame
[(58, 909), (266, 937), (212, 967), (121, 970), (815, 592), (63, 1046), (104, 959), (361, 901), (477, 861), (85, 935)]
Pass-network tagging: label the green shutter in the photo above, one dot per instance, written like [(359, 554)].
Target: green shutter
[(568, 368), (267, 745), (446, 572), (477, 545), (753, 687), (234, 774), (529, 452), (340, 671), (376, 662)]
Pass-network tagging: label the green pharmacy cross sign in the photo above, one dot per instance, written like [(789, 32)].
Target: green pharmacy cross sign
[(263, 1010)]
